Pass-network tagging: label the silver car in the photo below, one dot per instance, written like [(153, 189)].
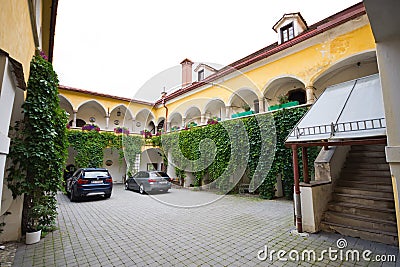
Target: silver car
[(148, 181)]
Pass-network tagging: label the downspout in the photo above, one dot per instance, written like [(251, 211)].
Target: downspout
[(54, 6)]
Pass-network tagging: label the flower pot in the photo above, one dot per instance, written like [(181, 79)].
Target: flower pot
[(33, 237)]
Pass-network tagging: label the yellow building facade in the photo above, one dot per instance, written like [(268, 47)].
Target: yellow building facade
[(26, 27)]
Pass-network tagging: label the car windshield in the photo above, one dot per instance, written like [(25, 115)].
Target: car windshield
[(96, 174), (160, 174)]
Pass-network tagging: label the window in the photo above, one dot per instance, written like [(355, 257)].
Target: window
[(200, 75), (287, 32)]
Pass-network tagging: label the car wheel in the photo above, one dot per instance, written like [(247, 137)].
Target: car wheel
[(107, 195), (72, 196), (126, 186), (141, 189)]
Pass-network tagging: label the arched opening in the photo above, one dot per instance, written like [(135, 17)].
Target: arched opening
[(351, 68), (92, 112), (144, 121), (175, 121), (120, 116), (193, 116), (244, 100), (282, 87), (215, 109)]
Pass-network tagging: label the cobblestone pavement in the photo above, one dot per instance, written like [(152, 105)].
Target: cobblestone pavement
[(130, 229)]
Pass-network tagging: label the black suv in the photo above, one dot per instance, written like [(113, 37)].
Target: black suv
[(89, 182)]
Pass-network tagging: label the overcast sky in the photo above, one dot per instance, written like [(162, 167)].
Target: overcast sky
[(116, 47)]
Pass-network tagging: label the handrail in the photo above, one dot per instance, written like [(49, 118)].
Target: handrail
[(350, 126)]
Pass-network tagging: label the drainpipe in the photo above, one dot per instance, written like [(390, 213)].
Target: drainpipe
[(163, 95), (297, 201)]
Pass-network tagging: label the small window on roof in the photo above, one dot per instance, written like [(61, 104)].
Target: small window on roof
[(287, 32), (200, 75)]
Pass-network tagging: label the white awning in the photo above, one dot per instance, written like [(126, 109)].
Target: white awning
[(352, 109)]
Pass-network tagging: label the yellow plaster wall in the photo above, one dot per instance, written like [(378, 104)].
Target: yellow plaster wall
[(306, 65), (16, 37), (77, 98)]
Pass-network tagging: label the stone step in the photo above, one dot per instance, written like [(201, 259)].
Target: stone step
[(361, 221), (366, 173), (378, 202), (365, 159), (381, 184), (364, 192), (367, 166), (365, 178), (370, 154), (361, 210), (367, 234)]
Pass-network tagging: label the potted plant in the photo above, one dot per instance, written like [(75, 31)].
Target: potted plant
[(33, 230)]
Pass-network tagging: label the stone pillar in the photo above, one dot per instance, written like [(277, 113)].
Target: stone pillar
[(222, 113), (183, 122), (168, 126), (203, 119), (261, 105), (133, 124), (310, 90), (107, 121), (228, 111), (74, 119)]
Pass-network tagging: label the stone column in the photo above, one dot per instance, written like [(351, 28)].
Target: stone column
[(310, 90), (261, 107), (168, 126), (133, 124), (228, 111), (74, 119), (183, 122), (203, 119), (107, 121)]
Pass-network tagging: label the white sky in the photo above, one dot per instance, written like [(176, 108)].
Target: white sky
[(116, 47)]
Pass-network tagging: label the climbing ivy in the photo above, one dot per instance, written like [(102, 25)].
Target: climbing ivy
[(38, 148), (274, 129), (90, 146)]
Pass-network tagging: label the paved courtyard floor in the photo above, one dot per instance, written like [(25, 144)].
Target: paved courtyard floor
[(130, 229)]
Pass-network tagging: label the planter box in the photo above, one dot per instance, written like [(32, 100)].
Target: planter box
[(32, 238), (241, 114), (286, 105)]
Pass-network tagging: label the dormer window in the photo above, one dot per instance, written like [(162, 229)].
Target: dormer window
[(289, 26), (287, 32), (203, 71), (200, 75)]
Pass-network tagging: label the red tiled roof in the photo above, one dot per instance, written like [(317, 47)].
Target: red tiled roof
[(335, 20), (68, 88)]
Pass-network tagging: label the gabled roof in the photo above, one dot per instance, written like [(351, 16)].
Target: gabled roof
[(324, 25), (206, 67), (289, 15)]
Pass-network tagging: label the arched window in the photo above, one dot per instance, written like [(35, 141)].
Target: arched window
[(298, 95)]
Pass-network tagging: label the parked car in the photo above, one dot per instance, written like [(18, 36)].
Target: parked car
[(147, 181), (89, 182)]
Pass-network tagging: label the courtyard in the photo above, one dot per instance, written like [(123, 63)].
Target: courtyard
[(130, 229)]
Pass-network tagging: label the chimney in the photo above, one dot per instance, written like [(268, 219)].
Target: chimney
[(186, 72)]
